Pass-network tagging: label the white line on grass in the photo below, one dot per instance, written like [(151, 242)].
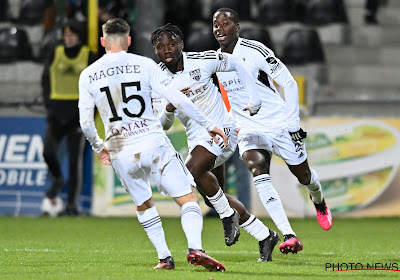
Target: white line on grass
[(46, 250)]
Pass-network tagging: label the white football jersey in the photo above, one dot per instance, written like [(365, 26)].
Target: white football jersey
[(264, 67), (120, 85), (197, 74)]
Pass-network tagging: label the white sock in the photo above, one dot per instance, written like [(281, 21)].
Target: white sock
[(272, 203), (255, 228), (192, 224), (221, 204), (314, 188), (151, 222)]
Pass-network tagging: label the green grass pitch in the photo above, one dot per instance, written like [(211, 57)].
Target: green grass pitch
[(118, 248)]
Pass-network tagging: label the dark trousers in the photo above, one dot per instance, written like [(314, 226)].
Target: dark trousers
[(372, 6), (55, 133)]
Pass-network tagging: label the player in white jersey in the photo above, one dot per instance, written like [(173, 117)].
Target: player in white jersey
[(193, 73), (275, 129), (119, 85)]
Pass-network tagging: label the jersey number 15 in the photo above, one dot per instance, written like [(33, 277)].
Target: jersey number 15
[(125, 99)]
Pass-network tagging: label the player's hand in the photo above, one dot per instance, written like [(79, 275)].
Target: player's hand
[(187, 91), (298, 135), (253, 109), (217, 131), (170, 108), (104, 156)]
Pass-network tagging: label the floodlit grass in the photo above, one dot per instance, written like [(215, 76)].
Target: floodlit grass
[(118, 248)]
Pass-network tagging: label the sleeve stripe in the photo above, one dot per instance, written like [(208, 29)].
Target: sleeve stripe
[(259, 48), (162, 66), (189, 57), (201, 55)]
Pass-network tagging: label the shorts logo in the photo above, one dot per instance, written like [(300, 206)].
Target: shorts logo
[(195, 74), (247, 139), (210, 142), (299, 146), (301, 154), (227, 131)]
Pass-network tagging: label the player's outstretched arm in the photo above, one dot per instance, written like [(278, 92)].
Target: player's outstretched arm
[(184, 105), (248, 80), (167, 116), (161, 84), (86, 120)]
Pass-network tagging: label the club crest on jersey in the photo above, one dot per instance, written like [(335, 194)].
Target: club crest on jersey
[(195, 74)]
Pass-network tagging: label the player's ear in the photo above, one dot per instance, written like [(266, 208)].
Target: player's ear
[(237, 27), (103, 42), (182, 45), (129, 40)]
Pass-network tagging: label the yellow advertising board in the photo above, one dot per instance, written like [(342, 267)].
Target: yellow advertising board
[(357, 162)]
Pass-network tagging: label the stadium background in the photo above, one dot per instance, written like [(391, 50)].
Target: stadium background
[(347, 73)]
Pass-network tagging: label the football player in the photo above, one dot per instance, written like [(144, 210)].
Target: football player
[(276, 127), (119, 85), (192, 73)]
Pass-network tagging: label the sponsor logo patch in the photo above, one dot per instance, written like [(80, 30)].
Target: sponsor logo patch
[(273, 63)]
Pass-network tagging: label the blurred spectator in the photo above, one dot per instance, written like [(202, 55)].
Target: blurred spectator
[(60, 91), (241, 178), (371, 10), (109, 9), (4, 10)]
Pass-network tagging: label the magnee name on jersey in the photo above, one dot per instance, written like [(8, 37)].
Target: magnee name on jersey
[(122, 69)]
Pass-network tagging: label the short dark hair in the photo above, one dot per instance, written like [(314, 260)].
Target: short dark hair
[(173, 29), (73, 26), (116, 26), (234, 14)]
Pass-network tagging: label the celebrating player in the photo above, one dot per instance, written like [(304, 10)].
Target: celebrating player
[(119, 85), (193, 72), (275, 129)]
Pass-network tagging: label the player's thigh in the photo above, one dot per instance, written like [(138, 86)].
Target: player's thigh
[(134, 178), (292, 152), (171, 175), (253, 141), (221, 152)]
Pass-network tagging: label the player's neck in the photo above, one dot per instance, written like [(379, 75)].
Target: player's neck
[(229, 48), (176, 67), (115, 49)]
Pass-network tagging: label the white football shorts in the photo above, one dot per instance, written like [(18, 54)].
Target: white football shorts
[(279, 142), (218, 149), (162, 166)]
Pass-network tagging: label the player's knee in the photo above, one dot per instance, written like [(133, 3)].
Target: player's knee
[(257, 167)]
